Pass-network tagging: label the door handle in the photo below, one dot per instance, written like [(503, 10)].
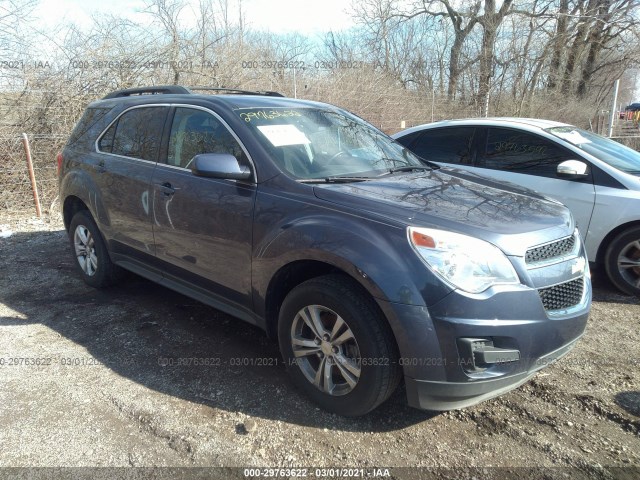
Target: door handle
[(101, 167), (167, 188)]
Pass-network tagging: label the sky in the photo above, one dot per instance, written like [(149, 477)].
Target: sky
[(278, 16)]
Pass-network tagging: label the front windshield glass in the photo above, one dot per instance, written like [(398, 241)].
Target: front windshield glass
[(314, 143), (611, 152)]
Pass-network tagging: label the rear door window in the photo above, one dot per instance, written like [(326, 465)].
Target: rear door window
[(137, 134), (447, 145)]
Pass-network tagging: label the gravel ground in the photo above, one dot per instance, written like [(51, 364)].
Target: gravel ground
[(138, 375)]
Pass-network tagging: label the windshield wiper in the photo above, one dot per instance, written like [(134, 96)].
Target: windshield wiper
[(334, 180), (407, 168)]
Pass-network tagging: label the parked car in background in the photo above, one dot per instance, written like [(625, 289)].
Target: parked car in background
[(597, 178), (366, 263)]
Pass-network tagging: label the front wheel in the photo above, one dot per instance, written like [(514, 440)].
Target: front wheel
[(338, 346), (622, 261)]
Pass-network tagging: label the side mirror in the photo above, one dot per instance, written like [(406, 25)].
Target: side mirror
[(572, 168), (219, 165)]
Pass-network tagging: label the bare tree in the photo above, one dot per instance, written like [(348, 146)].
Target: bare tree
[(613, 19), (462, 20), (13, 16), (167, 12), (558, 43), (490, 21)]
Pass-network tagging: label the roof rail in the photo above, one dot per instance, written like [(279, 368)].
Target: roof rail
[(177, 89), (238, 91), (160, 89)]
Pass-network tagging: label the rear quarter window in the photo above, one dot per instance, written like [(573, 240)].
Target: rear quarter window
[(90, 117)]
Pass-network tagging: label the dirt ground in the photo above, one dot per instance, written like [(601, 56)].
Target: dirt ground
[(138, 375)]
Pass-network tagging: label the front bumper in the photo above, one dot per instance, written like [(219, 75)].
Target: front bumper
[(431, 395), (436, 369)]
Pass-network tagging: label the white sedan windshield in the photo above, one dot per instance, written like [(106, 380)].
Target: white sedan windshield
[(611, 152)]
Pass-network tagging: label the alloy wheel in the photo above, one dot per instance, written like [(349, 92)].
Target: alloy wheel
[(85, 250), (629, 263), (326, 350)]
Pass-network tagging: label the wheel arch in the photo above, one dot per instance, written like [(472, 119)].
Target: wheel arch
[(72, 205), (79, 191), (292, 274), (606, 241)]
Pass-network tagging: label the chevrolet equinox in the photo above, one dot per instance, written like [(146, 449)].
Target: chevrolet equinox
[(369, 265)]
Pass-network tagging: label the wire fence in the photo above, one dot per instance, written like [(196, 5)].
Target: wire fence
[(17, 193)]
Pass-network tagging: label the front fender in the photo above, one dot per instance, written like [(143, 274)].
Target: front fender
[(377, 255)]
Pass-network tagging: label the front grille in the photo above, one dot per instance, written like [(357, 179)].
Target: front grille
[(551, 250), (564, 295)]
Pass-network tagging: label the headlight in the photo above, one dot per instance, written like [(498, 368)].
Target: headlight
[(467, 263)]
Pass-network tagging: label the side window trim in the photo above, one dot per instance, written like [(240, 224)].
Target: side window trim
[(165, 146), (166, 134), (478, 145), (115, 120), (165, 140)]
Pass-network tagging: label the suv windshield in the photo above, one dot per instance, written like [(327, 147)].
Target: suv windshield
[(314, 143), (615, 154)]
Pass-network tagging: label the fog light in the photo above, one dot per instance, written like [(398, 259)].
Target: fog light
[(478, 354)]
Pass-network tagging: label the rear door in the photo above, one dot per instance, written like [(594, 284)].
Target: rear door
[(126, 158), (203, 226)]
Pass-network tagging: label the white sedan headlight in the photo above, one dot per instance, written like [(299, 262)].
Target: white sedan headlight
[(464, 262)]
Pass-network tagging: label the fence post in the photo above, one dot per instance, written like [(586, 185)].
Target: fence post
[(32, 177)]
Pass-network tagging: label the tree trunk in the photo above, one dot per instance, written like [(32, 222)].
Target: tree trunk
[(595, 46), (490, 21), (486, 61), (559, 44), (578, 45), (454, 64)]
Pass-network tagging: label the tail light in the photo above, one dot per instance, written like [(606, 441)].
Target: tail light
[(59, 159)]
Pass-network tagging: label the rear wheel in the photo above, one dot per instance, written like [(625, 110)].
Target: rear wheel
[(622, 261), (338, 346), (90, 252)]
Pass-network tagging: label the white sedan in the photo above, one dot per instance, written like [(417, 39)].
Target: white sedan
[(597, 178)]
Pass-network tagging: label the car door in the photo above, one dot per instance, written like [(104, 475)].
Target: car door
[(203, 226), (530, 160), (126, 158)]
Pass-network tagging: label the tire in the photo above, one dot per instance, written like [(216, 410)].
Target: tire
[(90, 252), (356, 347), (622, 261)]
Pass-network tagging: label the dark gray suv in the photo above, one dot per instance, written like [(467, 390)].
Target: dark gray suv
[(367, 264)]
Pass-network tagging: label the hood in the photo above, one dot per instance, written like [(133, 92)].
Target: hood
[(510, 219)]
